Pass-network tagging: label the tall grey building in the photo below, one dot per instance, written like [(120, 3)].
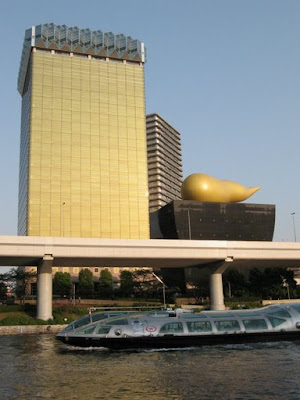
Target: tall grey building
[(164, 162)]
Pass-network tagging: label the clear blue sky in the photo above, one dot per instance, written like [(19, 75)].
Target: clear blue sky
[(225, 73)]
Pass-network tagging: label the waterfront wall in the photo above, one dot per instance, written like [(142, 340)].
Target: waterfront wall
[(268, 302), (30, 329), (94, 302)]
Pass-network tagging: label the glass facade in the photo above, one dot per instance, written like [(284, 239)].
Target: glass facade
[(24, 159), (83, 167)]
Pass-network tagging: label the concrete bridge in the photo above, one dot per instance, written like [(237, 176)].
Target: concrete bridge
[(46, 252)]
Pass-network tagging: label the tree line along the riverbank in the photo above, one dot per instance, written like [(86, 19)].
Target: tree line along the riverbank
[(257, 284)]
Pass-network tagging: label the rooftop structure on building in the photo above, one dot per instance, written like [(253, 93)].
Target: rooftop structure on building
[(66, 40), (164, 162)]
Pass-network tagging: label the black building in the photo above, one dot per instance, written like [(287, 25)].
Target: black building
[(185, 219)]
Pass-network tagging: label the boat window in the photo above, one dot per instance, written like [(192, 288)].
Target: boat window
[(172, 327), (296, 307), (276, 321), (193, 316), (247, 315), (199, 326), (82, 321), (227, 325), (103, 330), (278, 312), (69, 328), (120, 321), (100, 316), (86, 331), (225, 315), (255, 324)]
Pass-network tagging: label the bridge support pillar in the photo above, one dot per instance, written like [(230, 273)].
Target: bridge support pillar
[(216, 292), (44, 288), (216, 284)]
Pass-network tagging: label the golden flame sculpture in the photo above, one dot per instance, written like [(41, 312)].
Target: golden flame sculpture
[(202, 187)]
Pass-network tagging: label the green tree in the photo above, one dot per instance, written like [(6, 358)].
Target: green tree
[(105, 283), (199, 289), (146, 285), (270, 282), (3, 289), (126, 283), (235, 283), (198, 285), (85, 283), (62, 284), (174, 278), (22, 278)]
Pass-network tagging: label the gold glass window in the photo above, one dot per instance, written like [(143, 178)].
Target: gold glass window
[(87, 160)]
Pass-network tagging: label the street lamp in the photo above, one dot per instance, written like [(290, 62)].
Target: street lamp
[(293, 216), (164, 288), (189, 224), (286, 284)]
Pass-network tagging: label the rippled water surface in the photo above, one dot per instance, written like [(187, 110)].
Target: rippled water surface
[(39, 367)]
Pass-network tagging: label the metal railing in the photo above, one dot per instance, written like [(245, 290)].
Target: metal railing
[(135, 308)]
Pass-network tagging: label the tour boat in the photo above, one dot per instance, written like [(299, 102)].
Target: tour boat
[(179, 328)]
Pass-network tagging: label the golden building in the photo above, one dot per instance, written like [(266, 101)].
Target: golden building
[(83, 162)]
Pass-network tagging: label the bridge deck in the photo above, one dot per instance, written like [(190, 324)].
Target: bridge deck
[(30, 250)]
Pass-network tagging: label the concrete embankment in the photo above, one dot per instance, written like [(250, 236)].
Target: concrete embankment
[(30, 329), (269, 302)]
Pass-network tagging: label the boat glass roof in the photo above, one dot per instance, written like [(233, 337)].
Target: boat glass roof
[(116, 321), (86, 330), (225, 315), (278, 312), (276, 321), (296, 307), (82, 321), (255, 324), (99, 316)]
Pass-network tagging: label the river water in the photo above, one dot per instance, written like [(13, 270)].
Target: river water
[(39, 367)]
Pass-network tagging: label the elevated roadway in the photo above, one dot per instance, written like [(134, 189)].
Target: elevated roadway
[(46, 252)]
